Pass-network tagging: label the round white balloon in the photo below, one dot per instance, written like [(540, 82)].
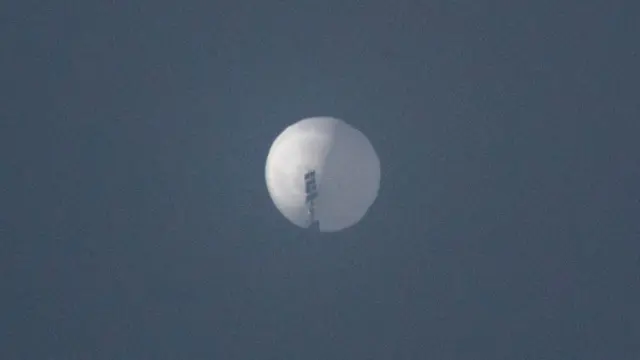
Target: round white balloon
[(347, 172)]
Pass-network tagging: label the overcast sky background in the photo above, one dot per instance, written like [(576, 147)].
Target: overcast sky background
[(135, 222)]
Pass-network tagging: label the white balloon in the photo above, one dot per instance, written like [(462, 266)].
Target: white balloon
[(347, 173)]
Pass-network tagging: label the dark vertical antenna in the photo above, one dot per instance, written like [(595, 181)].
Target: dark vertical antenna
[(311, 189)]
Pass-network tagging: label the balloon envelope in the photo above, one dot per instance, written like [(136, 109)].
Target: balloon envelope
[(347, 172)]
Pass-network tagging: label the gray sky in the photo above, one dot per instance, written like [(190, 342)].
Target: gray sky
[(135, 222)]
